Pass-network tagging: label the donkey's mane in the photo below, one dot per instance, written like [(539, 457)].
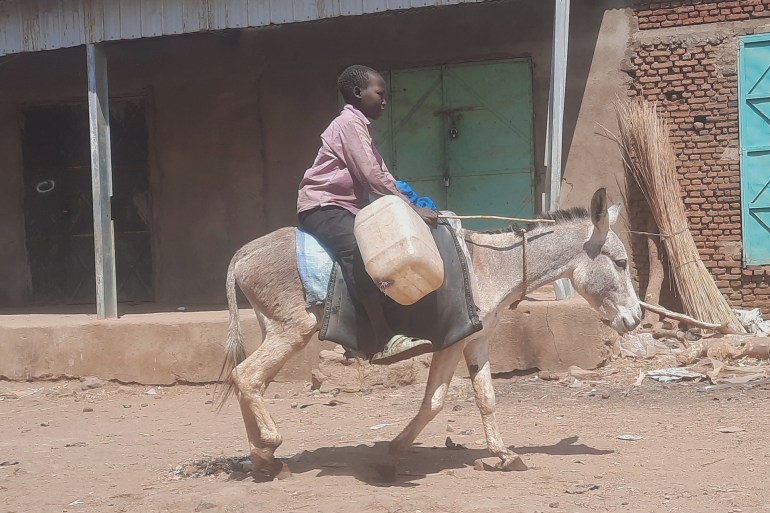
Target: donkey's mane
[(562, 216)]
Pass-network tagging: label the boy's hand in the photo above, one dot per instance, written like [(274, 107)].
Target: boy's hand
[(428, 215)]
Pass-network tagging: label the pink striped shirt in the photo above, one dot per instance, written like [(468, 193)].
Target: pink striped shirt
[(348, 170)]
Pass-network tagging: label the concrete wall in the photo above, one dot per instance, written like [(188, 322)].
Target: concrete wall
[(235, 118), (171, 347), (595, 78)]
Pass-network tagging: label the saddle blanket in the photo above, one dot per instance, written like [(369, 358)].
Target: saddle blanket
[(315, 267), (444, 317)]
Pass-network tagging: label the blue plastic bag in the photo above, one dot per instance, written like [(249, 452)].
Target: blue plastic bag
[(413, 197)]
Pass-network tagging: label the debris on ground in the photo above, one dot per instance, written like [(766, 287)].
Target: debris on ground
[(673, 374), (577, 372), (719, 372), (211, 466), (452, 445), (727, 348), (91, 383), (753, 322), (729, 429), (730, 359), (581, 488), (640, 345), (629, 438), (570, 382), (19, 395)]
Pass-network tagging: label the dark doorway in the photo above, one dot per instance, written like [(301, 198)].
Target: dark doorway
[(58, 207)]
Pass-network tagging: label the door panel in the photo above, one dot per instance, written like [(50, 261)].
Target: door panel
[(506, 195), (489, 106), (756, 198), (418, 131), (489, 150)]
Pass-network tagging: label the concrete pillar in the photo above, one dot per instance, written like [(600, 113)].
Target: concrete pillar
[(553, 149), (101, 182)]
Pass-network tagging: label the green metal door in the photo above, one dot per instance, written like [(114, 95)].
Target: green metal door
[(754, 131), (462, 135)]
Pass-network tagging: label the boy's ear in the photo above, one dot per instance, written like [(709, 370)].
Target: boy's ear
[(357, 92)]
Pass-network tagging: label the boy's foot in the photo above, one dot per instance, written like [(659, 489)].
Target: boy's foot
[(401, 348)]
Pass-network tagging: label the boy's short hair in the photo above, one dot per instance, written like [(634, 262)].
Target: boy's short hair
[(353, 76)]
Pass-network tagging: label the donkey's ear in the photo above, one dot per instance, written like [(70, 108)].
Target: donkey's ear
[(614, 212), (599, 214)]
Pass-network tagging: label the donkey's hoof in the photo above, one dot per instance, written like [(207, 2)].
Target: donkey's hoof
[(265, 467), (269, 472), (512, 463)]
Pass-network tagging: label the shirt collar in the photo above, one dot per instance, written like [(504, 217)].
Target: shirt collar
[(358, 113)]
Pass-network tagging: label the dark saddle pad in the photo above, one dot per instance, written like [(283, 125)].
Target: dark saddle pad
[(444, 317)]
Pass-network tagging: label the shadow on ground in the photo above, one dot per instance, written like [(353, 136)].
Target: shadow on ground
[(365, 462), (565, 447)]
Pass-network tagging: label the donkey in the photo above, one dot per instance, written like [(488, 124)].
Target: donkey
[(580, 246)]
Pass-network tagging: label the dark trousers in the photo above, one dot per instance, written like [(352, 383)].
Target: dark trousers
[(333, 227)]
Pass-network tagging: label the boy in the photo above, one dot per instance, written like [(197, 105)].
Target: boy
[(347, 172)]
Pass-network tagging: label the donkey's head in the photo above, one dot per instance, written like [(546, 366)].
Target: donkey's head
[(601, 274)]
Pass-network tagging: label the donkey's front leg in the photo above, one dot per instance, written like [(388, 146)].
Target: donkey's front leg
[(477, 359), (442, 368)]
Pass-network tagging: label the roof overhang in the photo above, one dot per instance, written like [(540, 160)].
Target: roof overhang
[(35, 25)]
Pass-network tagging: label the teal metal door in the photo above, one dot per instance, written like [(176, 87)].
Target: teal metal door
[(462, 135), (754, 132)]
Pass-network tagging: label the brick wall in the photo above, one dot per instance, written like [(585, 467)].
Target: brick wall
[(696, 92), (652, 15)]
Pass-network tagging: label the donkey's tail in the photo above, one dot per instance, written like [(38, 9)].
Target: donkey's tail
[(235, 352)]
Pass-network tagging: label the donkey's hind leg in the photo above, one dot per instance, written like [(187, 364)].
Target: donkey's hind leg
[(251, 378)]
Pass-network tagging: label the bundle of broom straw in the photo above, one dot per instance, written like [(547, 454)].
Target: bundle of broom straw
[(649, 156)]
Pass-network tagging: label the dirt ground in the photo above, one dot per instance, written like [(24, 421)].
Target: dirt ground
[(117, 448)]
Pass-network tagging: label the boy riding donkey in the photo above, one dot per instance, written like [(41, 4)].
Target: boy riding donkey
[(347, 175)]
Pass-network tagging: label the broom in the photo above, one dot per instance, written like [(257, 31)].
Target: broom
[(649, 157)]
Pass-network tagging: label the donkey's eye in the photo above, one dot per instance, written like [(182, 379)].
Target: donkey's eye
[(622, 263)]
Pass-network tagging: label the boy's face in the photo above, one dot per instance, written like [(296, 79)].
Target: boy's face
[(371, 101)]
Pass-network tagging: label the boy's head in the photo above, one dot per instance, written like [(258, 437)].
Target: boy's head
[(364, 89)]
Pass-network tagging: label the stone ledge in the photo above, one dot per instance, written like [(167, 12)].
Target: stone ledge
[(167, 348)]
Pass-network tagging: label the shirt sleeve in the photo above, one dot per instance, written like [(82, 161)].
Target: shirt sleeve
[(363, 165)]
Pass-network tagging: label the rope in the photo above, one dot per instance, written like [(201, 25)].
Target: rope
[(661, 235), (498, 218)]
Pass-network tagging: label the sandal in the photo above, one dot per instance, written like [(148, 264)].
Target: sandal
[(401, 348)]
